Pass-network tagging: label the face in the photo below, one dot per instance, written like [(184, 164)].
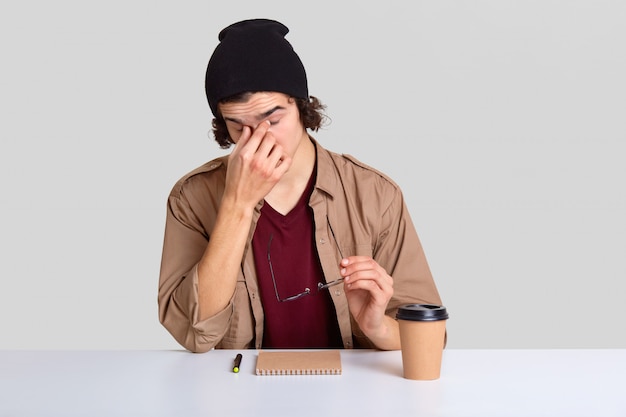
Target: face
[(277, 108)]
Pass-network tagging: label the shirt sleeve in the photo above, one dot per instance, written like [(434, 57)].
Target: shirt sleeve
[(400, 252), (183, 246)]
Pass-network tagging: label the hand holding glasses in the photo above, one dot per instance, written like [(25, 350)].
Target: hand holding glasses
[(307, 291)]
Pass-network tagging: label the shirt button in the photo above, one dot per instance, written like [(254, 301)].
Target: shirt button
[(322, 241), (337, 292)]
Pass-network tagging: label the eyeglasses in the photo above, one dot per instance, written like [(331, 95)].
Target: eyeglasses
[(307, 291)]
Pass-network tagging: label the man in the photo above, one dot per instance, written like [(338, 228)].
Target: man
[(283, 244)]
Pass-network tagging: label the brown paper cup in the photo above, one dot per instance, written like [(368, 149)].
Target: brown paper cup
[(422, 339)]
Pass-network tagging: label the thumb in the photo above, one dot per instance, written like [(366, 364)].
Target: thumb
[(246, 134)]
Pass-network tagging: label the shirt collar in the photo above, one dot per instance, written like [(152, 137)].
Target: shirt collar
[(326, 180)]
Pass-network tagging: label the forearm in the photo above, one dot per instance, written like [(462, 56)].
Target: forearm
[(219, 266)]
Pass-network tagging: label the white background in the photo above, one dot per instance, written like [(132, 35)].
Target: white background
[(503, 122)]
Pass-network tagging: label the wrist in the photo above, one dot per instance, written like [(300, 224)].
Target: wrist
[(236, 209), (385, 336)]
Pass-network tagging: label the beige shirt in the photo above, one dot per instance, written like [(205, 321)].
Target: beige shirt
[(368, 216)]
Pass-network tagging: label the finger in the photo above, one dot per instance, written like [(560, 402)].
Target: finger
[(368, 270), (283, 165), (349, 260), (259, 133), (268, 145), (251, 138), (367, 275), (353, 264), (379, 295), (240, 146), (274, 152), (246, 133), (372, 282)]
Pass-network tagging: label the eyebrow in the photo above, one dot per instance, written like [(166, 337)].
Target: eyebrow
[(258, 117)]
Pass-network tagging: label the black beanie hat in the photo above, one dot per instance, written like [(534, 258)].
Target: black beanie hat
[(253, 55)]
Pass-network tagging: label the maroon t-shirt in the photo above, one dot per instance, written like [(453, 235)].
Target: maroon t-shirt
[(309, 321)]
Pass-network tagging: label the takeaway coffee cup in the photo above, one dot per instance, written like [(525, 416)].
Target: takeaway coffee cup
[(422, 336)]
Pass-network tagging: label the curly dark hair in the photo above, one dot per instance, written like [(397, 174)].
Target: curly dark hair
[(311, 112)]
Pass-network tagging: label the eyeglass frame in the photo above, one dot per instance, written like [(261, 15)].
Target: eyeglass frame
[(307, 291)]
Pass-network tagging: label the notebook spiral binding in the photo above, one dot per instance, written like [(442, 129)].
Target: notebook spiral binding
[(298, 371)]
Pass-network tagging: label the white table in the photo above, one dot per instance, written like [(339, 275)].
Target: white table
[(529, 383)]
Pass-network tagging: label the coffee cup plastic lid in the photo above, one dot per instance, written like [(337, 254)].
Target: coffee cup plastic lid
[(421, 312)]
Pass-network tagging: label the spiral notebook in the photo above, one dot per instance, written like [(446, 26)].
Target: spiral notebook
[(299, 362)]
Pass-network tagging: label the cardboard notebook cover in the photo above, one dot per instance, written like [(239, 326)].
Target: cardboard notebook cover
[(322, 362)]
